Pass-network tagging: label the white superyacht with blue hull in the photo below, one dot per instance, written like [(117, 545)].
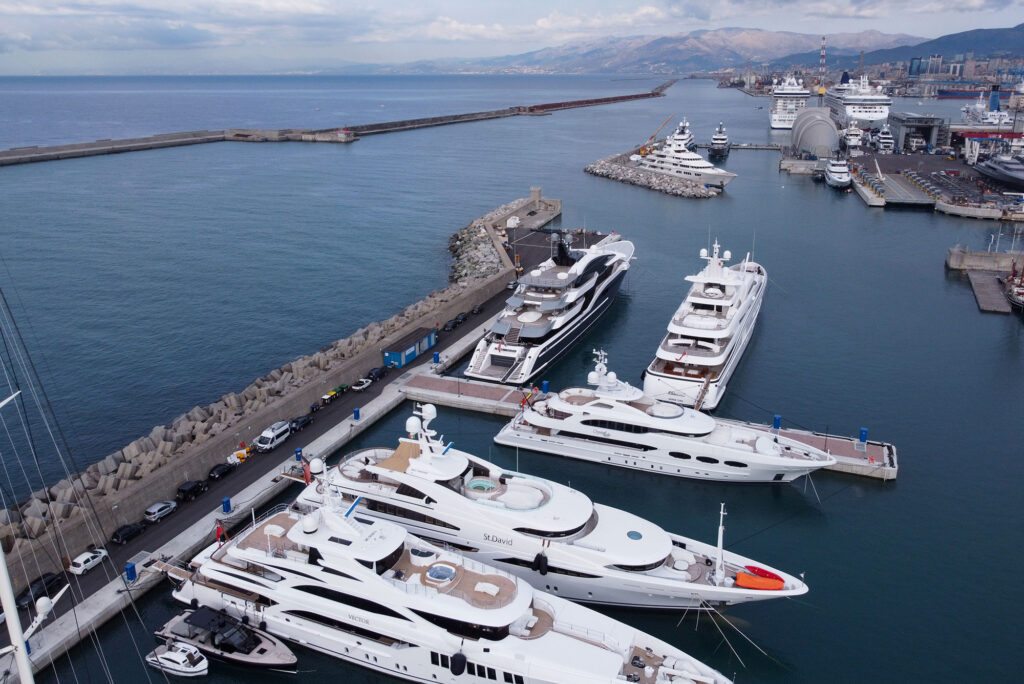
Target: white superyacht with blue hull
[(542, 531), (617, 424), (367, 592), (553, 305)]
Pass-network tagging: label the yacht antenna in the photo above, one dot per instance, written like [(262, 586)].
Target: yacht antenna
[(721, 551)]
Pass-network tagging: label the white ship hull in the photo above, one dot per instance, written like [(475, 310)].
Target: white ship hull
[(647, 456)]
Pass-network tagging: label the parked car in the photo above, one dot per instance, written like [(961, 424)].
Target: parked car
[(190, 489), (272, 437), (361, 384), (450, 325), (462, 317), (126, 532), (300, 422), (159, 510), (221, 470), (377, 373), (46, 584), (477, 308), (84, 562)]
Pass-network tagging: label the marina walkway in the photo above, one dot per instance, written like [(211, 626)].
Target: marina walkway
[(988, 291)]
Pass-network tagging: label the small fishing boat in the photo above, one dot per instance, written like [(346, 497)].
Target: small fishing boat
[(223, 637), (179, 659)]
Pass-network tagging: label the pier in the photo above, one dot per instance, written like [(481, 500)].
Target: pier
[(988, 291), (343, 134)]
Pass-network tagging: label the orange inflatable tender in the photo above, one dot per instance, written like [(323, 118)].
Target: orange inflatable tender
[(748, 581)]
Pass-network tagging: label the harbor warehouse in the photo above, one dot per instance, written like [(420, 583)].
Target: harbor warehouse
[(409, 347)]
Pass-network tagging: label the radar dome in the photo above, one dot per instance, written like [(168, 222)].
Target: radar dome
[(309, 524), (703, 253), (316, 466), (429, 412), (727, 255), (412, 425)]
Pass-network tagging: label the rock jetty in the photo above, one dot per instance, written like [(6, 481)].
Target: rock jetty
[(618, 167)]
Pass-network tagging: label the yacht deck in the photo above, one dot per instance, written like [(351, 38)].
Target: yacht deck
[(475, 588)]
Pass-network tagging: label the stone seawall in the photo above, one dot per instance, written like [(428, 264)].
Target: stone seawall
[(619, 168), (120, 487)]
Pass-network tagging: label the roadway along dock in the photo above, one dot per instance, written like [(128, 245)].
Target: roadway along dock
[(345, 134)]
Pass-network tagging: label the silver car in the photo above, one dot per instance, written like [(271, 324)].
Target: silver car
[(160, 509)]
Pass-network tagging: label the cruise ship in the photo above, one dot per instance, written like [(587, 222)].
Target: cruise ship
[(708, 332), (674, 158), (542, 531), (551, 308), (614, 423), (788, 99), (856, 104), (365, 591)]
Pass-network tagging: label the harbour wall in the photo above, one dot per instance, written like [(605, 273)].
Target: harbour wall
[(116, 490), (960, 258)]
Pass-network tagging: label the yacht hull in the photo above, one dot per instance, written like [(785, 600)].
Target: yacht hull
[(659, 460)]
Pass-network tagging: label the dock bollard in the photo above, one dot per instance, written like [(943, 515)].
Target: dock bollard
[(129, 571), (544, 387), (355, 413), (225, 504), (437, 357), (298, 455), (777, 421)]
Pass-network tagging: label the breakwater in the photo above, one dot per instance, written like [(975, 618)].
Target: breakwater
[(619, 168), (342, 134), (87, 506)]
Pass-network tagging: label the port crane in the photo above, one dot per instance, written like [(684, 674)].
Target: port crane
[(646, 147)]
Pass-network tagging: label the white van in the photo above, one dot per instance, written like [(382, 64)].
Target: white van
[(273, 436)]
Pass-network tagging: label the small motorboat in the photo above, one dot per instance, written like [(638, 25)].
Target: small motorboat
[(223, 637), (178, 659)]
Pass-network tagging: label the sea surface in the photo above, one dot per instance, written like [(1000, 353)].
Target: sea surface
[(148, 283)]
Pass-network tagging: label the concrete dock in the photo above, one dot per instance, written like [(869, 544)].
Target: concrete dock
[(988, 291)]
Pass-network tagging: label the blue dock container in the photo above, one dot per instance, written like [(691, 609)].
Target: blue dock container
[(409, 347)]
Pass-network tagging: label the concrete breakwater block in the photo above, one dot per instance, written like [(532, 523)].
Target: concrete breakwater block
[(60, 510), (111, 462), (33, 528), (8, 536), (35, 509), (648, 179), (9, 517), (127, 471), (108, 484)]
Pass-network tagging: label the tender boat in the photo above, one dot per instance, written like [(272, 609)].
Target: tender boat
[(837, 173), (673, 157), (551, 308), (545, 532), (719, 148), (221, 636), (788, 99), (708, 333), (178, 659), (617, 424), (365, 591)]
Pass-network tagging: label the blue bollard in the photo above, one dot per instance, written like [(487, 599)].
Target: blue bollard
[(225, 504), (777, 421), (129, 572), (28, 648), (298, 455), (437, 357), (863, 434), (544, 387), (355, 413)]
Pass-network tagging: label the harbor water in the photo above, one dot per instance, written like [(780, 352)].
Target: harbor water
[(150, 282)]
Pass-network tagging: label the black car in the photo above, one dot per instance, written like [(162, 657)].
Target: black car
[(450, 325), (125, 532), (462, 318), (377, 373), (221, 470), (190, 489), (45, 585), (477, 308), (300, 422)]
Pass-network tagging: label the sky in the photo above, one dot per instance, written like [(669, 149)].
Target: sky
[(283, 36)]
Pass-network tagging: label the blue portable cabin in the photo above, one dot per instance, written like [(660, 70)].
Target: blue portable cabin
[(404, 350)]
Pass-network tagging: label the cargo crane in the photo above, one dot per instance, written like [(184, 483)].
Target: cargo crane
[(645, 149)]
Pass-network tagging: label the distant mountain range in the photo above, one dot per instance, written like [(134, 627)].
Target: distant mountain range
[(713, 50)]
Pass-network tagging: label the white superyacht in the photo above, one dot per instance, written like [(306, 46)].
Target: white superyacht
[(617, 424), (365, 591), (544, 532), (551, 308), (674, 158), (788, 99), (708, 333), (837, 173)]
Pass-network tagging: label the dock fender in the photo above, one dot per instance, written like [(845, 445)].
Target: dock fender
[(263, 625), (193, 604), (458, 663), (540, 563)]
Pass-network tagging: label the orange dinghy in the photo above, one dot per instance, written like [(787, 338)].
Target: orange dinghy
[(748, 581)]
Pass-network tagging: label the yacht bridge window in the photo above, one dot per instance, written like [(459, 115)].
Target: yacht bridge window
[(349, 600)]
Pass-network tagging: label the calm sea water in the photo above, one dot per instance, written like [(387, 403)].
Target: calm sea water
[(150, 282)]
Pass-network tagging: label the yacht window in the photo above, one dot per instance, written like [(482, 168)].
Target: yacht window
[(550, 534), (523, 563), (349, 600), (244, 579), (679, 454), (339, 540), (707, 459), (256, 569), (399, 512), (465, 629), (736, 464), (608, 440), (339, 573), (641, 568), (411, 492), (449, 544)]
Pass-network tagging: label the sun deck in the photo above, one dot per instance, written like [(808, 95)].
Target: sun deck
[(479, 589)]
